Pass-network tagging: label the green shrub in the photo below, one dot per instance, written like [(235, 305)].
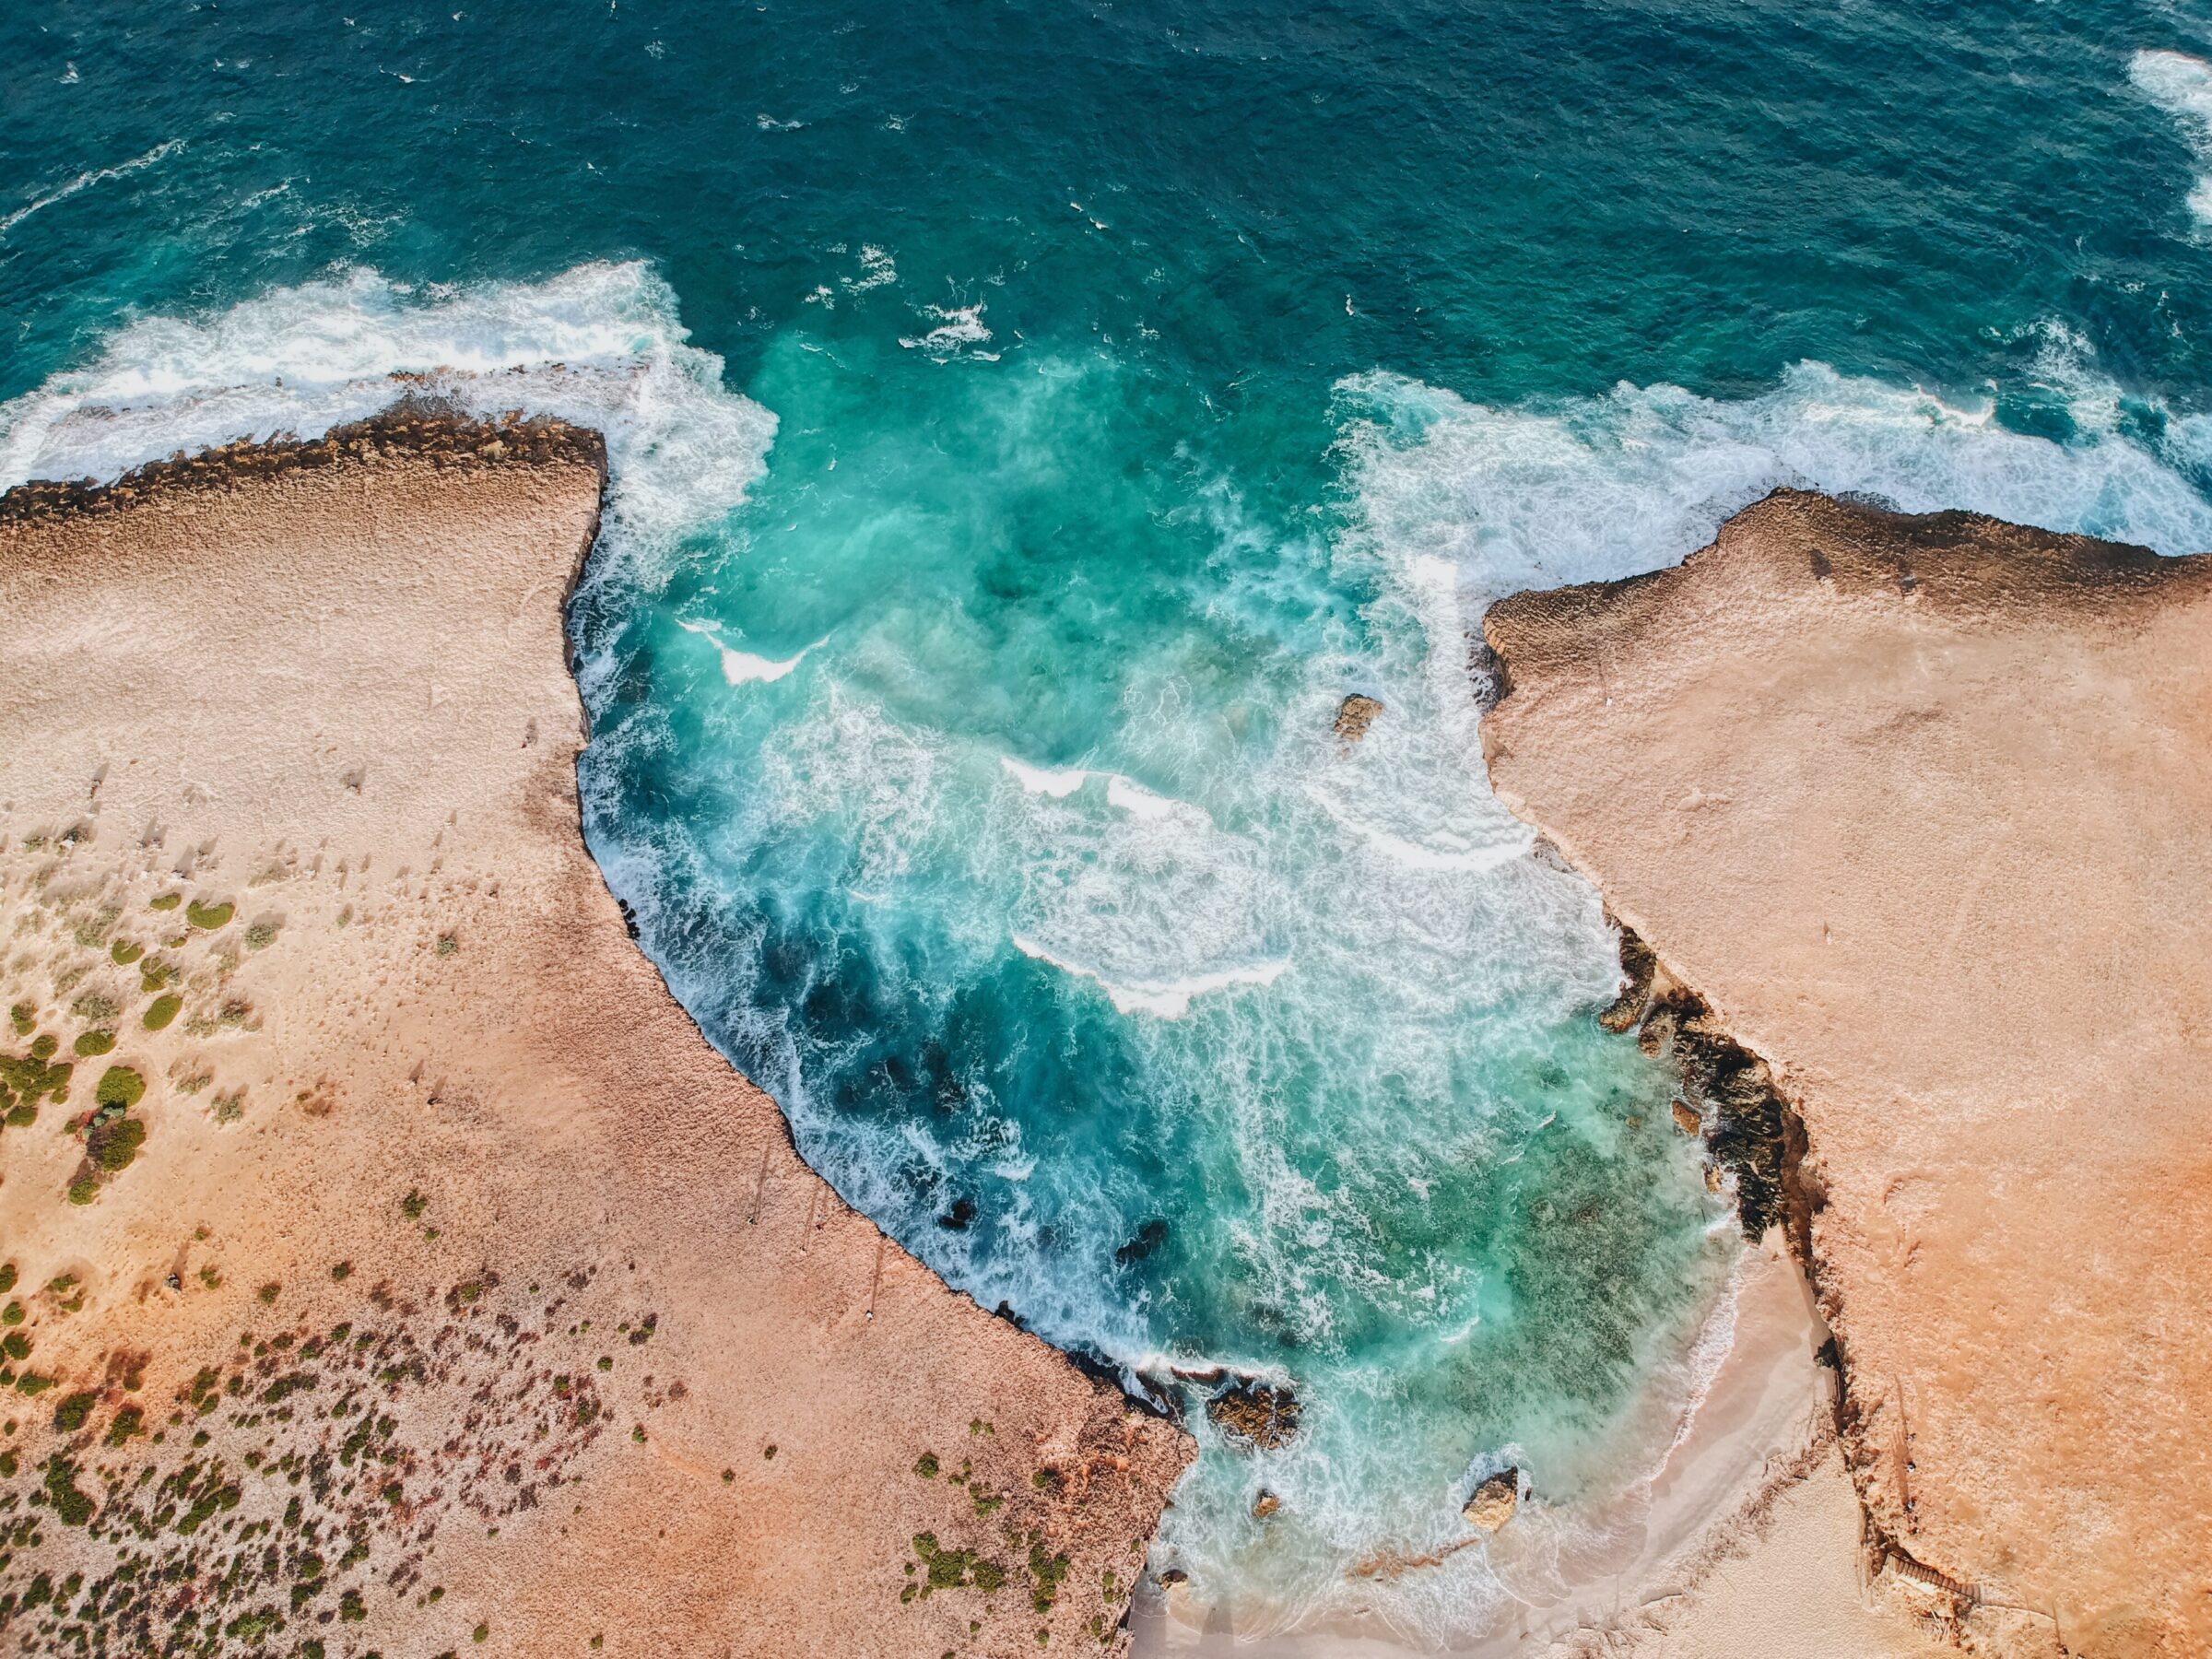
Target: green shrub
[(260, 935), (126, 952), (12, 1315), (207, 918), (22, 1017), (70, 1506), (15, 1346), (42, 1047), (161, 1010), (115, 1144), (120, 1086), (84, 1190), (71, 1414), (32, 1383), (167, 901), (7, 1277), (926, 1465), (91, 1043)]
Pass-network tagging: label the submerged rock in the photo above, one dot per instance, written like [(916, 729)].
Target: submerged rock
[(958, 1216), (1264, 1414), (1491, 1504), (1354, 715), (1149, 1238)]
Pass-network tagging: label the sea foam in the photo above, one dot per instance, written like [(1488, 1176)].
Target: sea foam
[(2181, 86), (599, 344)]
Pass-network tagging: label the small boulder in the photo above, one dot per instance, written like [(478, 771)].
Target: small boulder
[(1264, 1505), (1252, 1413), (1687, 1119), (1491, 1506), (1354, 715)]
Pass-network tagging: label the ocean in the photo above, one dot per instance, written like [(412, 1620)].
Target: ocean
[(1029, 423)]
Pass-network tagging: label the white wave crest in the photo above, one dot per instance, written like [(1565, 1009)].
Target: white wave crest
[(1038, 780), (743, 667), (1602, 488), (1140, 802), (960, 332), (1168, 999), (86, 180), (600, 344), (2181, 86)]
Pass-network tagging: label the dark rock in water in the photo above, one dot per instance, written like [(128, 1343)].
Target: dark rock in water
[(1354, 715), (1174, 1575), (1264, 1505), (1161, 1399), (630, 917), (956, 1218), (1149, 1238), (1638, 964), (1255, 1414), (1750, 1132)]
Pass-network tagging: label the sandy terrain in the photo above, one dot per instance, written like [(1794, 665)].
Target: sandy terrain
[(1749, 1534), (294, 743), (1923, 809)]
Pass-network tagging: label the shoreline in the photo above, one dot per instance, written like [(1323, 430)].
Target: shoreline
[(419, 989), (1839, 778), (1743, 1538), (1753, 1478)]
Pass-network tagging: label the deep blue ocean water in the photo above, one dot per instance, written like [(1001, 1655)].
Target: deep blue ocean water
[(1029, 422)]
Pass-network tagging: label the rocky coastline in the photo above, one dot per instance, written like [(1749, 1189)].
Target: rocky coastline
[(1907, 825), (435, 1285)]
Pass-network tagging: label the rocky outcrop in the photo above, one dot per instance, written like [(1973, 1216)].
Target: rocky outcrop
[(1354, 715), (1257, 1414), (1491, 1504), (1913, 817)]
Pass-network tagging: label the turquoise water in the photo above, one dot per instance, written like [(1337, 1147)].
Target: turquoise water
[(1027, 424)]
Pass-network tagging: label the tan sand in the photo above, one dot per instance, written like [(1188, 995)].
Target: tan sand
[(1745, 1540), (621, 1375), (1922, 808)]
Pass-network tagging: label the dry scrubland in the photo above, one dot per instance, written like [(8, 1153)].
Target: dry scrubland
[(1919, 809), (391, 1267)]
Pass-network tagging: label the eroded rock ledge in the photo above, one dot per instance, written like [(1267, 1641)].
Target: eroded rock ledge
[(453, 1293), (1920, 811)]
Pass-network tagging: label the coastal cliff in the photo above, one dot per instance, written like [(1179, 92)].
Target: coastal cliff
[(1918, 812), (390, 1262)]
